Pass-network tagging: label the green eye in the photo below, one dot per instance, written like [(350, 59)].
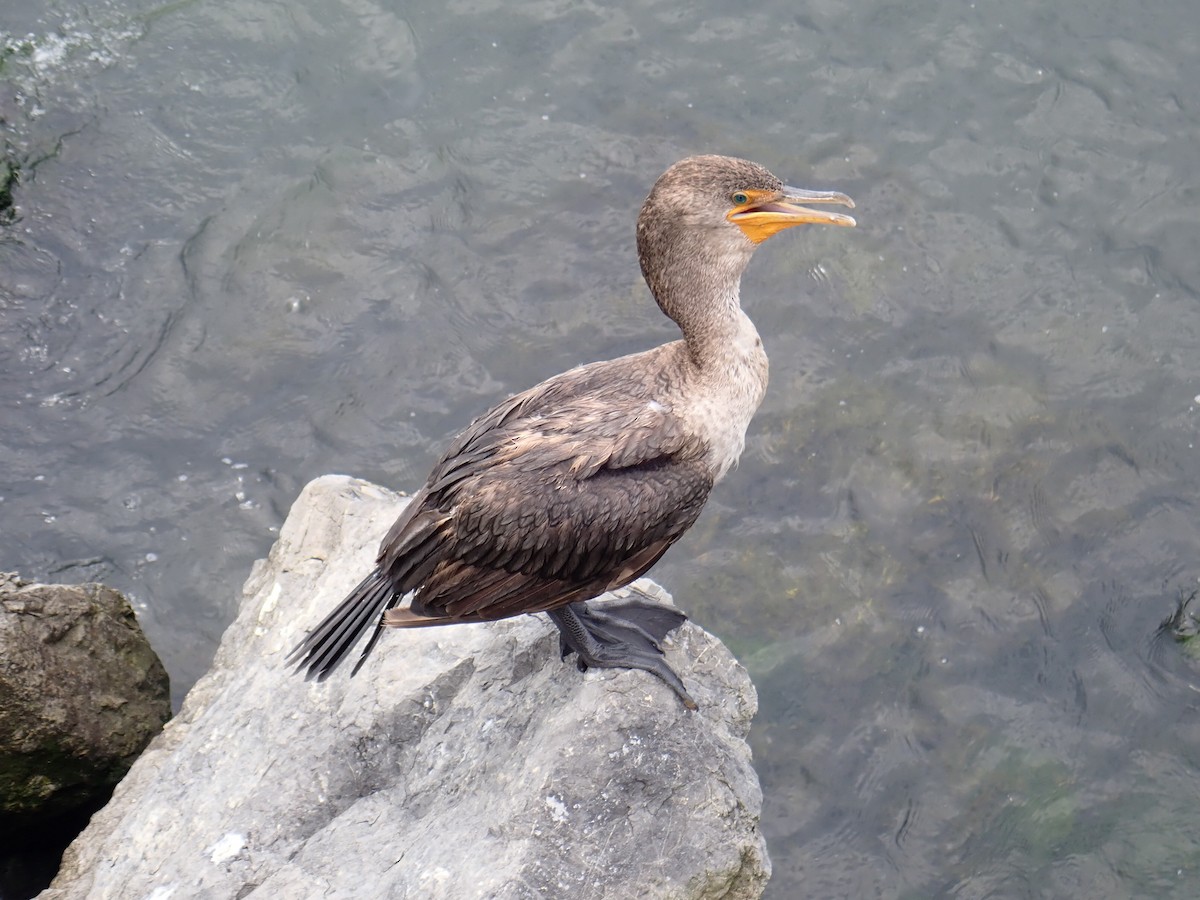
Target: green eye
[(739, 198)]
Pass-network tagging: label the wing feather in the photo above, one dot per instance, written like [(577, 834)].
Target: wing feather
[(572, 488)]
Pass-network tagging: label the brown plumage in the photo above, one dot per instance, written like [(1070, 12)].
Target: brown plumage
[(578, 485)]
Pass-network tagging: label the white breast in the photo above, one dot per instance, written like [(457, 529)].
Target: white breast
[(729, 395)]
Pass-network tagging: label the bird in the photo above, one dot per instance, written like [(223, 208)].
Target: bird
[(578, 485)]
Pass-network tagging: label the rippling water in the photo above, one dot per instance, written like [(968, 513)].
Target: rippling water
[(256, 242)]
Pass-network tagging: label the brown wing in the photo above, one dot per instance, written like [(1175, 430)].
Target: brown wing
[(574, 487), (523, 542), (556, 495)]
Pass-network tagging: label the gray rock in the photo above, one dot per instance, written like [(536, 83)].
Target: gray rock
[(461, 762), (81, 694)]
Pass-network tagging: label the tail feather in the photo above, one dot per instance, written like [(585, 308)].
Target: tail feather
[(323, 650)]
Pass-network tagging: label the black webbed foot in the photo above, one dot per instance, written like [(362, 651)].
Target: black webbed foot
[(648, 622), (623, 635)]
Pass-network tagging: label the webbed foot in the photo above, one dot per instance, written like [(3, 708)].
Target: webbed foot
[(624, 635)]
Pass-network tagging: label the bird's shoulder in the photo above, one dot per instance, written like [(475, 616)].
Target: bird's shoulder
[(595, 444), (607, 415)]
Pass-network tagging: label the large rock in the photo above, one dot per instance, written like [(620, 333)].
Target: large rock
[(460, 762), (81, 694)]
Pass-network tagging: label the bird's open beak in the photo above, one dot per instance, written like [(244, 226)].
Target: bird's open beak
[(761, 220)]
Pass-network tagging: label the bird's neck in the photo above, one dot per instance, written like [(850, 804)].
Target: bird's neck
[(726, 381), (713, 324), (726, 350), (695, 275)]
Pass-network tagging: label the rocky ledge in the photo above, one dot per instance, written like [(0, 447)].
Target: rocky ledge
[(460, 762)]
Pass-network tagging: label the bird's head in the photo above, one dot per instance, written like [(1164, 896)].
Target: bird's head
[(706, 214)]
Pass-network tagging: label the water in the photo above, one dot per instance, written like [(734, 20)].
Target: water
[(254, 243)]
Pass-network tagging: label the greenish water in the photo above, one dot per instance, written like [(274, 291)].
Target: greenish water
[(255, 242)]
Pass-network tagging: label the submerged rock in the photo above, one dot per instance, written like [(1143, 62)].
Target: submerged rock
[(466, 761)]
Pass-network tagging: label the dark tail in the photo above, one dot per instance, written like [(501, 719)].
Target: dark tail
[(327, 644)]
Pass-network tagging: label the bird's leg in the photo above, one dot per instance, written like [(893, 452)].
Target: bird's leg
[(620, 636)]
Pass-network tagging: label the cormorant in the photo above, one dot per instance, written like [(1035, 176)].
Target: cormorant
[(578, 485)]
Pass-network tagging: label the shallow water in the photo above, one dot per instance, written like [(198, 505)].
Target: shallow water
[(257, 242)]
